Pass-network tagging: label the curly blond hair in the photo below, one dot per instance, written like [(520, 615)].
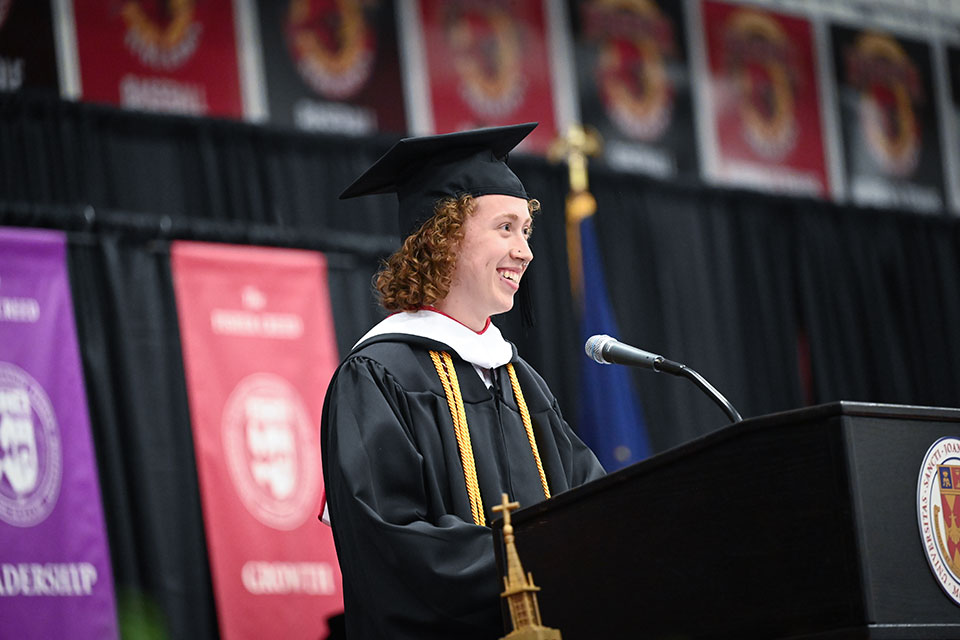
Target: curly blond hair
[(420, 273)]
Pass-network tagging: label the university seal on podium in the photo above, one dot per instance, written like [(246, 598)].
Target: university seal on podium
[(938, 513)]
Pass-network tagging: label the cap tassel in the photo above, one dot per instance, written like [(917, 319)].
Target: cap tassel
[(525, 302)]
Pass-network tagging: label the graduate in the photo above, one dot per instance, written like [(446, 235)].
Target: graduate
[(433, 414)]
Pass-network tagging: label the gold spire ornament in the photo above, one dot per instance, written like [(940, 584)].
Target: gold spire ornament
[(519, 590), (574, 148)]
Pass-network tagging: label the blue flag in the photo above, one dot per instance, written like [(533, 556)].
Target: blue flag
[(611, 421)]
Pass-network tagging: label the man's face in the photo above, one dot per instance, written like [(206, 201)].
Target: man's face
[(491, 260)]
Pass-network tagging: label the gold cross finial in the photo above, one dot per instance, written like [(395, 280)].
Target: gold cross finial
[(506, 506), (574, 148)]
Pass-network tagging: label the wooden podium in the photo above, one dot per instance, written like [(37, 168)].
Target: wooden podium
[(794, 525)]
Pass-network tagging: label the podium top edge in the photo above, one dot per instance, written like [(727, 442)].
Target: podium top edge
[(817, 413), (861, 409)]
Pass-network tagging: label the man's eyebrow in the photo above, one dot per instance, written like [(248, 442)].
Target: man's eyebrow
[(512, 216)]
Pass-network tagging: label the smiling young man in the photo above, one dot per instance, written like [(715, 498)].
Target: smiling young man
[(433, 415), (491, 259)]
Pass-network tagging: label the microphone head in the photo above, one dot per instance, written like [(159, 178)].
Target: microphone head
[(595, 345)]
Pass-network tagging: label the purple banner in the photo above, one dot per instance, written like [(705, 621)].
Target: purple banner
[(55, 576)]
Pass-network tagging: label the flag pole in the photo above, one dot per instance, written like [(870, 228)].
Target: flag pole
[(573, 148)]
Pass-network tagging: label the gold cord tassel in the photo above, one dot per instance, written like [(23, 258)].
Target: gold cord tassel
[(451, 389)]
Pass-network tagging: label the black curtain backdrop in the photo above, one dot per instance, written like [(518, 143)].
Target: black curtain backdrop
[(127, 326), (705, 279), (779, 302)]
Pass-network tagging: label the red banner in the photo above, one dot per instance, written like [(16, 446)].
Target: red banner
[(488, 64), (259, 350), (176, 57), (764, 101)]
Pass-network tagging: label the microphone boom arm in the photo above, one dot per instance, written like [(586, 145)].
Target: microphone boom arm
[(711, 391), (604, 349)]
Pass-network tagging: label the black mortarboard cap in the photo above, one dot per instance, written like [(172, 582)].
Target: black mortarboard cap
[(424, 170)]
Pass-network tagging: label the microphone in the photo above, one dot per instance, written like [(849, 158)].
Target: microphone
[(606, 350)]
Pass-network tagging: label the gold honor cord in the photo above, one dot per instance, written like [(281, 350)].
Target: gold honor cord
[(451, 389), (528, 425)]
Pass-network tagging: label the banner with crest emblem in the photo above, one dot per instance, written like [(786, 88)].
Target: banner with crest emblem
[(888, 117), (634, 84), (332, 66), (764, 127), (55, 575), (482, 63), (27, 52), (171, 57), (259, 350)]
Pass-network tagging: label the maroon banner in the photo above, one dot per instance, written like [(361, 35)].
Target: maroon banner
[(258, 349), (764, 103), (888, 117), (27, 53), (175, 57), (488, 64), (332, 66)]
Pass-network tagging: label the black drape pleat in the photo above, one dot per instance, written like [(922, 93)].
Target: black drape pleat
[(130, 346), (351, 298), (936, 274), (70, 153), (742, 287), (880, 305), (704, 278)]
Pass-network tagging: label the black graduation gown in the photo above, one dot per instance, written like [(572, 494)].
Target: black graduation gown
[(414, 564)]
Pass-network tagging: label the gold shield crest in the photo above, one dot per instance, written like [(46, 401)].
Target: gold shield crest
[(948, 538)]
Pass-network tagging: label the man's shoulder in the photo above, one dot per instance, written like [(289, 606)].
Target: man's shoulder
[(390, 348), (400, 357)]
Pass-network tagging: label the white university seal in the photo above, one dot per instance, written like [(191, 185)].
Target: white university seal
[(272, 451), (31, 462)]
